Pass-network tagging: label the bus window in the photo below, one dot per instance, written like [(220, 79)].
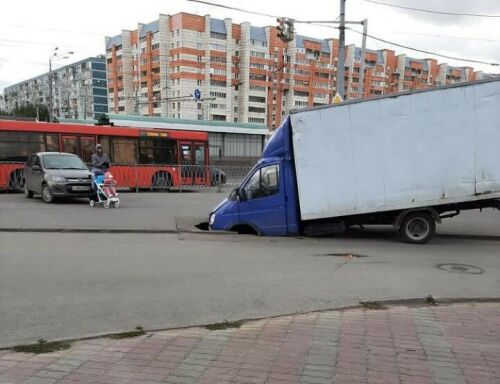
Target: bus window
[(157, 151), (124, 150), (104, 141), (17, 146), (199, 154), (69, 144), (186, 158), (52, 141), (87, 146)]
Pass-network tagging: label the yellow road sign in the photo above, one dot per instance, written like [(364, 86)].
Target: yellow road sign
[(337, 99)]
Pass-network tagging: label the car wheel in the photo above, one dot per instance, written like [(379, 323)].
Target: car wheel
[(47, 195), (27, 193)]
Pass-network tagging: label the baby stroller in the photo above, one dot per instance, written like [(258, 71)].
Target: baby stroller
[(101, 189)]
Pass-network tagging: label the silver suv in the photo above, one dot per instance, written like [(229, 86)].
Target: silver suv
[(56, 174)]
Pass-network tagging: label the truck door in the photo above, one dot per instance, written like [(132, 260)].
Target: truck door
[(262, 201)]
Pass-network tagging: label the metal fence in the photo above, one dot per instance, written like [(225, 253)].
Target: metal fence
[(139, 177)]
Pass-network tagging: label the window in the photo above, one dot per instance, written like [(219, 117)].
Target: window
[(199, 82), (257, 77), (263, 183), (220, 95), (199, 154), (257, 99), (217, 35), (217, 83), (218, 71), (155, 46), (256, 120), (124, 150), (256, 110), (217, 59), (17, 146), (217, 47), (157, 151), (258, 54), (257, 88)]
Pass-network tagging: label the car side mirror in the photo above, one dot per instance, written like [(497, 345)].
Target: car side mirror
[(36, 168)]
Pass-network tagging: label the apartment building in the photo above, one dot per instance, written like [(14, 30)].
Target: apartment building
[(79, 90), (245, 73)]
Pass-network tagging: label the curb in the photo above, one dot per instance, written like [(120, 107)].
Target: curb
[(377, 305)]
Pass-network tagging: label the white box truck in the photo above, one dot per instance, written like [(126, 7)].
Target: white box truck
[(408, 159)]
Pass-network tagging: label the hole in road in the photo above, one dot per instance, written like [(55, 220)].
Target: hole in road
[(203, 226)]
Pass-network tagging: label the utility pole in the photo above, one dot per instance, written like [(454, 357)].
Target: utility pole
[(340, 63), (361, 86)]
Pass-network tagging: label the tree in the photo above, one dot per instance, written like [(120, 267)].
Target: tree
[(30, 110)]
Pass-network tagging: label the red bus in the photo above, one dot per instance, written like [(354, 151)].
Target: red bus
[(141, 157)]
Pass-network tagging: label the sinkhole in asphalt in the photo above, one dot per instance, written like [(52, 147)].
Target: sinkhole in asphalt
[(203, 226), (460, 268)]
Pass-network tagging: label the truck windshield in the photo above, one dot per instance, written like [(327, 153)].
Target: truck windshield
[(63, 162)]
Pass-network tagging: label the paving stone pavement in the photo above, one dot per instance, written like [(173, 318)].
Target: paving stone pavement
[(450, 344)]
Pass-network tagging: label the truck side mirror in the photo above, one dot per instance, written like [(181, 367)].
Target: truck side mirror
[(242, 196), (36, 168)]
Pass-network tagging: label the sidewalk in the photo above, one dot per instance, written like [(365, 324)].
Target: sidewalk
[(435, 345)]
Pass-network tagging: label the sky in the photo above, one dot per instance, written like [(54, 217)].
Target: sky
[(31, 29)]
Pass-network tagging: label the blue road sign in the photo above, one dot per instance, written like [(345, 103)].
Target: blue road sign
[(197, 94)]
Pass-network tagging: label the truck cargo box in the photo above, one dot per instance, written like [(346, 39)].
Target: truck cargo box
[(421, 148)]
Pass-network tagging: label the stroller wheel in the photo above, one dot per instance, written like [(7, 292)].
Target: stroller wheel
[(106, 204), (116, 204), (91, 203)]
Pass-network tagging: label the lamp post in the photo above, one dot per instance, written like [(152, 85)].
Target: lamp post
[(54, 57)]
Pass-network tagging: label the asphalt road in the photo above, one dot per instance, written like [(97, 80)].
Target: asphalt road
[(67, 285), (162, 211), (62, 285)]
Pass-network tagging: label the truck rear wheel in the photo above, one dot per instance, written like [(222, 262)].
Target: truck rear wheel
[(417, 228)]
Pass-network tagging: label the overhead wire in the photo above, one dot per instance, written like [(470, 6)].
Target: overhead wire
[(430, 10), (354, 30), (425, 51)]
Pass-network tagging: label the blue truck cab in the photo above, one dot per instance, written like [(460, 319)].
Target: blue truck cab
[(266, 201)]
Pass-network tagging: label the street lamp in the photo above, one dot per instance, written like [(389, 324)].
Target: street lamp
[(54, 57)]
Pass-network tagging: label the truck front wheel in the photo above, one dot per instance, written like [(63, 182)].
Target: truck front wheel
[(417, 228)]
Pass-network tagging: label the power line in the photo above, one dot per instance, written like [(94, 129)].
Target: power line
[(429, 10), (424, 51), (448, 37), (358, 32), (264, 14)]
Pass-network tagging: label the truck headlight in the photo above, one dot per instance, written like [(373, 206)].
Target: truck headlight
[(58, 179), (211, 219)]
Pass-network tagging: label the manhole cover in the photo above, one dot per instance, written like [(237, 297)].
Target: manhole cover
[(460, 268)]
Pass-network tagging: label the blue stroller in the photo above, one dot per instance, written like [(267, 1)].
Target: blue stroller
[(100, 197)]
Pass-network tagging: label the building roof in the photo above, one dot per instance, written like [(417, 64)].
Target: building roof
[(258, 33), (380, 56), (423, 62), (190, 125), (299, 39), (88, 59), (115, 40), (152, 27), (218, 26)]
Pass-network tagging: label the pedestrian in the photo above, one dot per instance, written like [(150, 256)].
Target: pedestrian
[(100, 160)]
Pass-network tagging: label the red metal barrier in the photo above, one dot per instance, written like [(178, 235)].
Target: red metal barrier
[(11, 175)]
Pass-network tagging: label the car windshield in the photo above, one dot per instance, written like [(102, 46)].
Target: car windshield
[(63, 162)]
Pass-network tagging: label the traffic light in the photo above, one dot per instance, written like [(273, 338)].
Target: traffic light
[(285, 29)]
